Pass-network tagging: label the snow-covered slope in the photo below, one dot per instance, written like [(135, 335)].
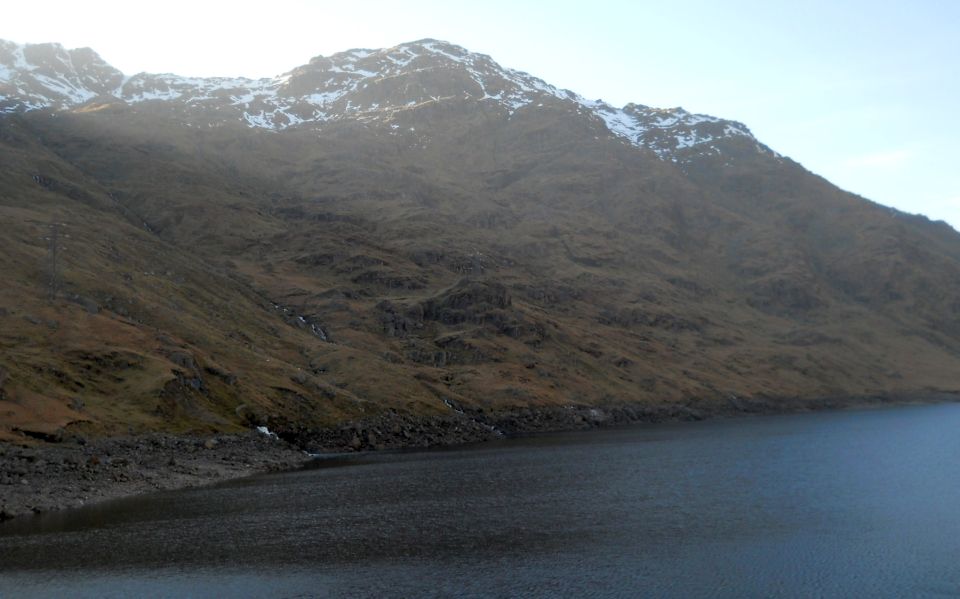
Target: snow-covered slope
[(39, 76), (371, 86)]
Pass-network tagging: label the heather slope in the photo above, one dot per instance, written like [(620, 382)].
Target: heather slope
[(514, 248)]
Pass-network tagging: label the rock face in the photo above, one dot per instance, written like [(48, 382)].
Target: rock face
[(419, 239), (38, 76)]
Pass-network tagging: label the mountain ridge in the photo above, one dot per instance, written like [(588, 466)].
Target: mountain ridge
[(331, 88)]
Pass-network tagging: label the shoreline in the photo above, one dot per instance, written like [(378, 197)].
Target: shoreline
[(55, 476), (392, 430), (49, 477)]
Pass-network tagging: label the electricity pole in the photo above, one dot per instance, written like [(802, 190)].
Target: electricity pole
[(53, 252)]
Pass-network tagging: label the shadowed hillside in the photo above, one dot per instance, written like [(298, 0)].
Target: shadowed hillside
[(441, 238)]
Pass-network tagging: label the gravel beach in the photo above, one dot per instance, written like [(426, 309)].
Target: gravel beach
[(46, 477)]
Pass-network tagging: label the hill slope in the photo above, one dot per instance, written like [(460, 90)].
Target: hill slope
[(415, 233)]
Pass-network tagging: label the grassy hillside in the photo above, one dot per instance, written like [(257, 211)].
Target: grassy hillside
[(210, 279)]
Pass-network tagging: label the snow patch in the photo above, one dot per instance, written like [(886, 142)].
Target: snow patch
[(360, 53), (320, 99), (266, 432), (432, 46), (64, 88)]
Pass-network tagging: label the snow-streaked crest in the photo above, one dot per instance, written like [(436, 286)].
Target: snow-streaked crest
[(359, 84)]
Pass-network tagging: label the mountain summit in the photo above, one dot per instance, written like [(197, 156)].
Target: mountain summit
[(376, 87), (416, 245)]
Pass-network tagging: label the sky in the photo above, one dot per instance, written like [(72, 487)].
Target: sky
[(864, 93)]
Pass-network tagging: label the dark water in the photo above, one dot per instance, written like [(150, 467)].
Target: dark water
[(848, 504)]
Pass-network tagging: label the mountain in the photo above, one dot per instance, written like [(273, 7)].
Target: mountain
[(416, 238), (369, 86)]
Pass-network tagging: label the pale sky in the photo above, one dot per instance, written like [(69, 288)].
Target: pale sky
[(863, 92)]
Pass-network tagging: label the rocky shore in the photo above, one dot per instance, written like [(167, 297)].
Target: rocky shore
[(55, 476), (393, 430), (71, 473)]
